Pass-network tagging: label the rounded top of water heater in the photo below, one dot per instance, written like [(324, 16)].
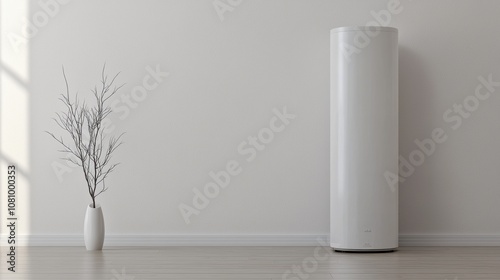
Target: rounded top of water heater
[(364, 28)]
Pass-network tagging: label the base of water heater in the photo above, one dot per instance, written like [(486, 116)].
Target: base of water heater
[(345, 250)]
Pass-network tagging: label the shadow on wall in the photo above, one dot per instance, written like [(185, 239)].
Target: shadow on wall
[(416, 109), (14, 122)]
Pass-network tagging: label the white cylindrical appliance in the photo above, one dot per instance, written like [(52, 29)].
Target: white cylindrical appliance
[(364, 138)]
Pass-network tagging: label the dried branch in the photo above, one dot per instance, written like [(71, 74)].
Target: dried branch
[(93, 153)]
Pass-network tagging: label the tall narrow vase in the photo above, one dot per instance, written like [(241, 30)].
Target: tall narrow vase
[(94, 228)]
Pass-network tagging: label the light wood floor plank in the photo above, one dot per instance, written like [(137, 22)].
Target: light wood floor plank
[(225, 263)]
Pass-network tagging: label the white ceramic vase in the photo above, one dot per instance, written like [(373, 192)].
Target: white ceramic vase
[(93, 228)]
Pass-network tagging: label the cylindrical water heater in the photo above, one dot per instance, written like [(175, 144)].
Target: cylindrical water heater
[(364, 138)]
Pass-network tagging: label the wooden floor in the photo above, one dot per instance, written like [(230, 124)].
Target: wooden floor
[(138, 263)]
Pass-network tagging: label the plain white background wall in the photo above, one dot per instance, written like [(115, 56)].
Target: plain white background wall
[(225, 79)]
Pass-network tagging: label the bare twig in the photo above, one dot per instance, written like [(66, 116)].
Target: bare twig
[(93, 153)]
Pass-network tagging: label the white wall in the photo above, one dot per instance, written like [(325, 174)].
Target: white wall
[(226, 77)]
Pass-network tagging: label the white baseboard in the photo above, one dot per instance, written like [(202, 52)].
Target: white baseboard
[(246, 240), (174, 240), (448, 240)]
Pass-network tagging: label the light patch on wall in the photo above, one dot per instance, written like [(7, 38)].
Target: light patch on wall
[(14, 115)]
